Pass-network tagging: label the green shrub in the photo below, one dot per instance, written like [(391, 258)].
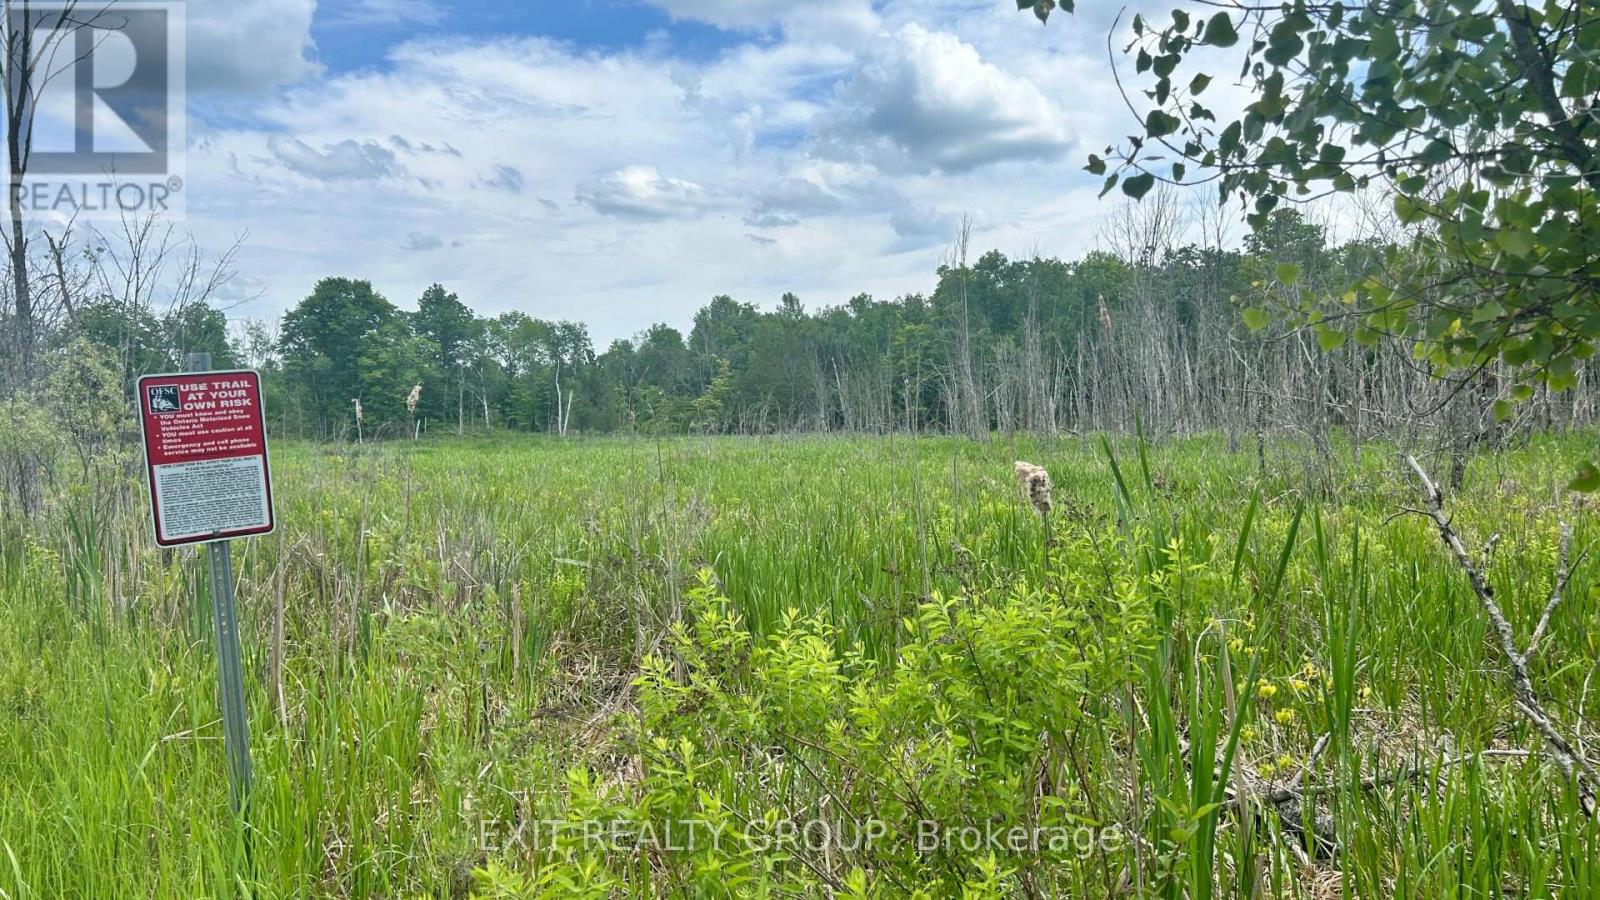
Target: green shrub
[(790, 764)]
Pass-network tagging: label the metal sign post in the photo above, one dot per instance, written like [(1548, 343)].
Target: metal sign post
[(224, 614), (230, 673), (205, 449)]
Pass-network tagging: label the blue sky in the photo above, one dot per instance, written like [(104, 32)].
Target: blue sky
[(620, 163), (351, 35)]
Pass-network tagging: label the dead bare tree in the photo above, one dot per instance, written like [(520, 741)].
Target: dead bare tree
[(144, 264), (42, 43), (1140, 354), (1558, 746), (970, 416)]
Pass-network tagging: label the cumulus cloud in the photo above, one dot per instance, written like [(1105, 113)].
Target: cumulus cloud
[(917, 227), (927, 101), (852, 156), (248, 45), (642, 194), (786, 201), (346, 160)]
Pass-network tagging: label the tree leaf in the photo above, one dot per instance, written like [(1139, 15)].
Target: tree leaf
[(1256, 319), (1288, 273), (1330, 339), (1219, 32), (1159, 124), (1515, 241), (1406, 210), (1138, 185)]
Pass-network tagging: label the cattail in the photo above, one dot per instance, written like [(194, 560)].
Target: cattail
[(1036, 481), (413, 397), (1105, 313)]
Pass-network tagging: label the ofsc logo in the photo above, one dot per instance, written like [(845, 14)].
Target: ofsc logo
[(164, 399), (102, 87)]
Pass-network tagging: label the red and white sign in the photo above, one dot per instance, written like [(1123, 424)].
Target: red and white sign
[(205, 450)]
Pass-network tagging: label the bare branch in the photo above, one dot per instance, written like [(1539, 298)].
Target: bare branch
[(1488, 550), (1559, 748), (1562, 574)]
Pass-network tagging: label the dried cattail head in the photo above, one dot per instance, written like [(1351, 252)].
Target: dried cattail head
[(1036, 481), (413, 397), (1105, 313), (359, 411)]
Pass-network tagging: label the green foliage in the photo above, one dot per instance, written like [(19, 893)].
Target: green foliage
[(868, 364), (883, 631), (343, 342), (88, 400), (141, 343), (952, 737), (1588, 478), (450, 331), (200, 328), (1474, 115)]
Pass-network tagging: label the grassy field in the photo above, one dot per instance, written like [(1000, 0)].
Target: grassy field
[(448, 641)]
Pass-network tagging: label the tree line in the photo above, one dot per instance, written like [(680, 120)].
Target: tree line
[(1151, 330), (1157, 329)]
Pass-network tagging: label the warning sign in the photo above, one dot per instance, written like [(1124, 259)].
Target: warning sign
[(205, 449)]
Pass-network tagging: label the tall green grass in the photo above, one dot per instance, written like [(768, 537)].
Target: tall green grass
[(463, 620)]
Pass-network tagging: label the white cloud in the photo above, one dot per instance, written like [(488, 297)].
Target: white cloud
[(923, 226), (345, 160), (728, 13), (929, 101), (623, 187), (797, 17), (418, 242), (643, 194), (785, 201), (248, 45)]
